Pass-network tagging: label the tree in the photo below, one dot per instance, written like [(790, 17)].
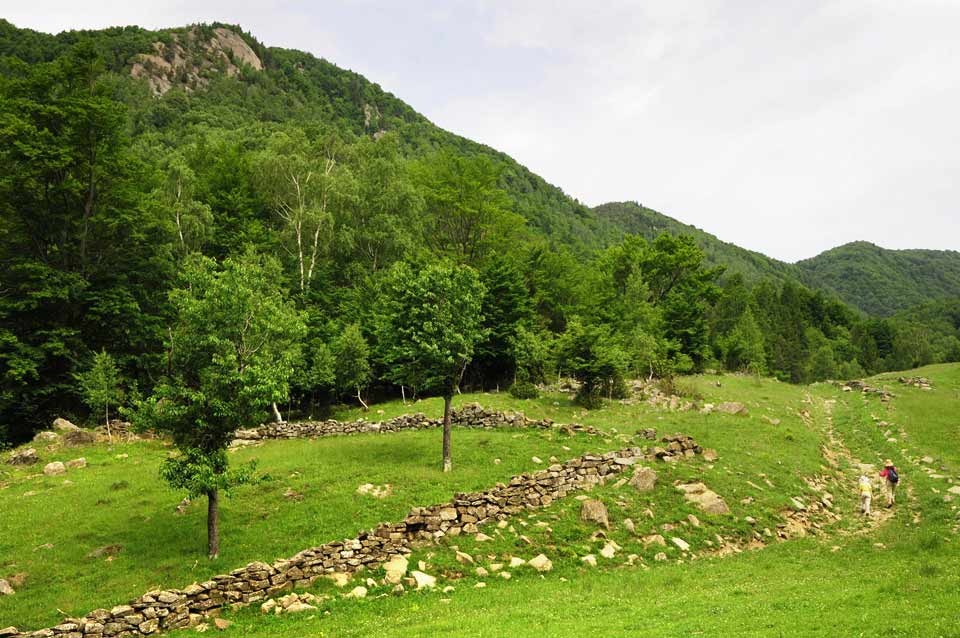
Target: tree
[(593, 357), (431, 322), (465, 205), (231, 354), (101, 386), (352, 356)]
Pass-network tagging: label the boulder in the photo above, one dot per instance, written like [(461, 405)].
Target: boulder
[(424, 580), (5, 588), (9, 631), (74, 438), (540, 563), (396, 569), (46, 437), (733, 407), (76, 464), (590, 560), (705, 498), (682, 544), (54, 469), (644, 479), (594, 511), (710, 455), (357, 592), (27, 456), (62, 425)]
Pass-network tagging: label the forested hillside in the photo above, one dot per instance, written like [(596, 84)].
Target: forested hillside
[(145, 175), (882, 282)]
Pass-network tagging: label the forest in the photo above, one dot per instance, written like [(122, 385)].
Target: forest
[(305, 205)]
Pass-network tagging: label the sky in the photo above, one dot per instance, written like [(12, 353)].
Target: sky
[(787, 127)]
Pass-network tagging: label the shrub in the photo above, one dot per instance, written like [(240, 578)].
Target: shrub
[(524, 390)]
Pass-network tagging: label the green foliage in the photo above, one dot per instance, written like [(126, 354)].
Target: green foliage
[(592, 356), (430, 325), (524, 390), (352, 361), (100, 385)]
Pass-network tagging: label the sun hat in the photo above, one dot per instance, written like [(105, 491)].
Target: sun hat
[(888, 463)]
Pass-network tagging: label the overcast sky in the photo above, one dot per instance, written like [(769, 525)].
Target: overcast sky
[(787, 127)]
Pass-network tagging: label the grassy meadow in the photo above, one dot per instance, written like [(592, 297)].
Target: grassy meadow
[(898, 577)]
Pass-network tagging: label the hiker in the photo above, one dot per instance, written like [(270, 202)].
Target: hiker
[(889, 473), (866, 494)]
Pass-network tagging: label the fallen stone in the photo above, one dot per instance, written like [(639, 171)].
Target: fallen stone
[(298, 607), (424, 580), (62, 425), (540, 563), (536, 459), (26, 456), (463, 558), (590, 560), (8, 631), (75, 438), (76, 464), (654, 539), (107, 550), (6, 589), (661, 556), (46, 437), (357, 592), (339, 578), (395, 569), (376, 491), (710, 455), (270, 607), (733, 407), (705, 498), (54, 469), (220, 623), (644, 479), (481, 572), (682, 544), (629, 525), (609, 550), (516, 562), (481, 537), (594, 511)]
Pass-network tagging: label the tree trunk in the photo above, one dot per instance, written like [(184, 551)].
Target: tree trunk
[(362, 402), (109, 434), (213, 524), (447, 463), (403, 393), (276, 413)]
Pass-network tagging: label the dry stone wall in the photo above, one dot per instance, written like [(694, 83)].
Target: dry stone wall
[(471, 415), (159, 611)]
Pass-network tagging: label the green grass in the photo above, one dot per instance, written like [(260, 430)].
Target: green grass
[(793, 589)]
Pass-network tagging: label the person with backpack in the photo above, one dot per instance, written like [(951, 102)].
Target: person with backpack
[(889, 473), (866, 494)]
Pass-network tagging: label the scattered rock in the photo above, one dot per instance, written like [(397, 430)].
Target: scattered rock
[(463, 558), (297, 607), (107, 550), (481, 572), (62, 425), (536, 459), (339, 579), (710, 455), (482, 538), (76, 464), (357, 592), (54, 469), (682, 544), (661, 556), (26, 456), (733, 407), (590, 560), (46, 437), (644, 479), (219, 623), (654, 539), (516, 562), (376, 491), (480, 585), (6, 589), (705, 498), (540, 563), (396, 569), (8, 631), (609, 550), (181, 509), (629, 525), (424, 580), (292, 495), (76, 438), (594, 511)]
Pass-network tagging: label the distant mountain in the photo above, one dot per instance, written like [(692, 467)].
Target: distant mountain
[(878, 281), (632, 218), (882, 282)]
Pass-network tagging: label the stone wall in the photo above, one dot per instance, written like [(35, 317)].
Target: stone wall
[(471, 415), (159, 611)]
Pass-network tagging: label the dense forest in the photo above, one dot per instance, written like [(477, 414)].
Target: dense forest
[(140, 169)]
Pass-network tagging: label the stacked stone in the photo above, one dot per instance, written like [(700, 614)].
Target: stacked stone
[(471, 415), (159, 611), (675, 446)]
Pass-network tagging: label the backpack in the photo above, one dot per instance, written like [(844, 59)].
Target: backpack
[(892, 475)]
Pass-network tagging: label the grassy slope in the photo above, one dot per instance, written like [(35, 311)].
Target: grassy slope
[(899, 580), (796, 588)]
